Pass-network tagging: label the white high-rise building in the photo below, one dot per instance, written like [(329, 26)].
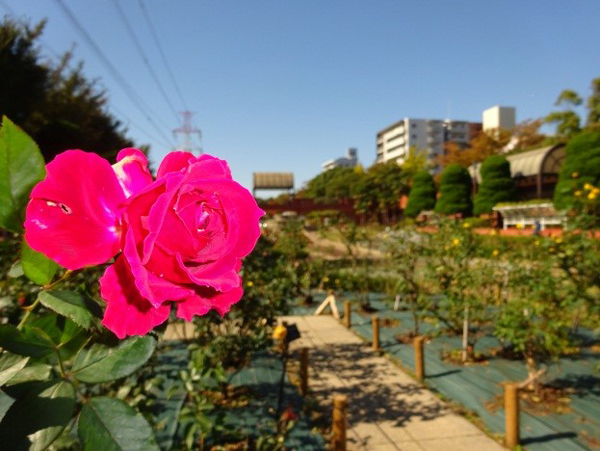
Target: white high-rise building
[(497, 117), (429, 135)]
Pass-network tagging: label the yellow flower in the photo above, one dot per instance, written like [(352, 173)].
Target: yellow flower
[(456, 241), (466, 225), (551, 249), (496, 252), (592, 195), (280, 332), (575, 175), (520, 225), (577, 193), (337, 281), (249, 283), (325, 279), (558, 240), (494, 232), (588, 187), (596, 191), (537, 242)]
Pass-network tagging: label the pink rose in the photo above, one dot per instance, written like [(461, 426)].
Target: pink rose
[(182, 235)]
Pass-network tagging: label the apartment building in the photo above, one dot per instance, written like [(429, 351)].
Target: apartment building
[(394, 142)]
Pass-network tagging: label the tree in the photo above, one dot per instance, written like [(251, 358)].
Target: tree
[(332, 185), (422, 194), (455, 191), (485, 144), (415, 162), (496, 186), (526, 135), (593, 105), (567, 121), (380, 190), (581, 166), (56, 105)]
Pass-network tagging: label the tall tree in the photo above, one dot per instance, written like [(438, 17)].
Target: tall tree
[(496, 186), (567, 121), (593, 105), (56, 105), (581, 166), (455, 191)]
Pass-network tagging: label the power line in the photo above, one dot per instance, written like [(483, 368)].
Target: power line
[(162, 53), (134, 97), (140, 49), (120, 113)]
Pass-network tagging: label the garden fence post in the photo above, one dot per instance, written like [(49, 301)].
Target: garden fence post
[(375, 320), (511, 413), (304, 371), (340, 408), (419, 361), (347, 314)]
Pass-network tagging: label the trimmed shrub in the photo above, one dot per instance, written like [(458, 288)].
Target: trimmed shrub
[(581, 166), (455, 191), (422, 194), (496, 186)]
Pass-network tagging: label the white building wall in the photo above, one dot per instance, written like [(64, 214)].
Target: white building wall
[(499, 117)]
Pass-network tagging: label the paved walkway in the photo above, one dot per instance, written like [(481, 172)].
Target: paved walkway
[(388, 410)]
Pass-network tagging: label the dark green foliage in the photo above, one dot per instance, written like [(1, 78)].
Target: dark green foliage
[(496, 186), (332, 185), (582, 165), (422, 194), (56, 105), (455, 191)]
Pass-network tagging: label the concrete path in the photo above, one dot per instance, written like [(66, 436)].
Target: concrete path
[(388, 410)]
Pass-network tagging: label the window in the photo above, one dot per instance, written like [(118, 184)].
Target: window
[(414, 136)]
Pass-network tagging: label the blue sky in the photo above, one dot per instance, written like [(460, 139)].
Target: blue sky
[(285, 85)]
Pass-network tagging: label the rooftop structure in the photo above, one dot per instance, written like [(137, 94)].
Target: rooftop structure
[(499, 117), (349, 161)]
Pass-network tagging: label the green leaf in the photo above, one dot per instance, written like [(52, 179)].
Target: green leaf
[(28, 342), (16, 270), (103, 363), (38, 417), (21, 168), (37, 267), (70, 304), (109, 424), (10, 364), (35, 371)]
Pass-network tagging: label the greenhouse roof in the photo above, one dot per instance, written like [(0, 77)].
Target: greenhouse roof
[(545, 160)]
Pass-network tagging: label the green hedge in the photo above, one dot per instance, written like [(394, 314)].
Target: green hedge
[(496, 186), (422, 194), (455, 191)]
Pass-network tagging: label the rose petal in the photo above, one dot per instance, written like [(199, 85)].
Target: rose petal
[(154, 288), (175, 162), (205, 299), (132, 171), (204, 166), (73, 216), (127, 312)]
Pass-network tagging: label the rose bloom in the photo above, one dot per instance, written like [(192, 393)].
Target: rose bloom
[(182, 236)]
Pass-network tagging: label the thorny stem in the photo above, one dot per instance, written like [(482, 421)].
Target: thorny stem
[(30, 308)]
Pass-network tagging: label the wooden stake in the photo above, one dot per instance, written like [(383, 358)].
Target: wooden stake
[(340, 410), (347, 314), (375, 333), (511, 413), (419, 361), (303, 371)]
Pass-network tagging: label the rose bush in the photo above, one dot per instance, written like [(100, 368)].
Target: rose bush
[(182, 236)]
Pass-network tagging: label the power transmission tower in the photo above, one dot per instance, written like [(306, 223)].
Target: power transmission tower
[(188, 130)]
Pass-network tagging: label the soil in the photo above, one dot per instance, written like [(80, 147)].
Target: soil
[(546, 401), (406, 338), (390, 322), (455, 357)]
